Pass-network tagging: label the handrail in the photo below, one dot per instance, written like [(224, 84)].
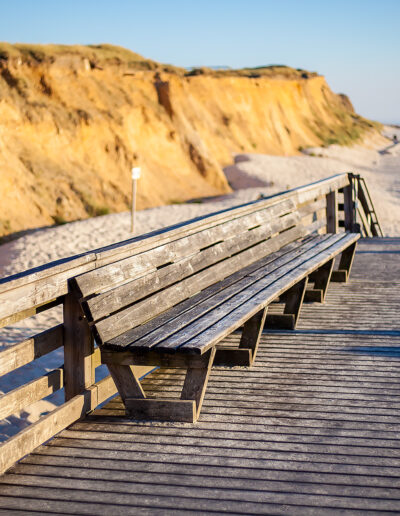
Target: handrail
[(41, 288)]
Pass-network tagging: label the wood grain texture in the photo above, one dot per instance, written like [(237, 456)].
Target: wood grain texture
[(177, 411), (33, 391), (35, 347), (332, 212), (251, 333), (40, 285), (311, 428), (78, 349)]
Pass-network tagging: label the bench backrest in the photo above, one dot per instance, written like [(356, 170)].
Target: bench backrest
[(128, 293)]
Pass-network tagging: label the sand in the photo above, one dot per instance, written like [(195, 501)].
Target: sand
[(378, 161)]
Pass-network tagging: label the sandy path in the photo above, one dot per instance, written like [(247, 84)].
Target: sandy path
[(251, 175)]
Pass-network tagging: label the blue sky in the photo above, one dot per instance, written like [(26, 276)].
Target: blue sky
[(354, 43)]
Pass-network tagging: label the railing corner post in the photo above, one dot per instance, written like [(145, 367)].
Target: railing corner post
[(78, 349), (350, 199), (331, 212)]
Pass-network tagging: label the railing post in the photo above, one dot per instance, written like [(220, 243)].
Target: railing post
[(78, 349), (331, 212), (349, 205)]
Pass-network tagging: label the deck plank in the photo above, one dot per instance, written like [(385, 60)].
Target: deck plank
[(312, 428)]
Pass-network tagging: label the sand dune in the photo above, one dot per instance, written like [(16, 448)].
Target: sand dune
[(250, 175)]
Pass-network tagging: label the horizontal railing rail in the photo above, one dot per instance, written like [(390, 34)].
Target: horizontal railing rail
[(324, 206)]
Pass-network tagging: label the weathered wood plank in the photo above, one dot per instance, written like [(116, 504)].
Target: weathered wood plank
[(130, 268), (196, 380), (251, 288), (48, 426), (348, 208), (137, 314), (252, 331), (332, 212), (236, 313), (78, 349), (203, 304), (171, 315), (20, 354), (29, 312), (312, 207), (45, 428), (180, 411), (126, 381), (313, 295), (103, 304), (33, 391), (294, 299), (280, 321)]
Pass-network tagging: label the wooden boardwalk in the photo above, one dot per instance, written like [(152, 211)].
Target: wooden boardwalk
[(312, 428)]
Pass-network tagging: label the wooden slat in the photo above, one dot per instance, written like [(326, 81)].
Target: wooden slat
[(23, 396), (312, 207), (365, 224), (40, 285), (48, 426), (236, 313), (137, 314), (130, 268), (136, 333), (316, 226), (183, 411), (45, 428), (20, 354), (103, 304), (29, 312), (204, 305), (264, 285), (299, 195)]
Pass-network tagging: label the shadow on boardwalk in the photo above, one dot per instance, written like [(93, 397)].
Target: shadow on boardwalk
[(312, 428)]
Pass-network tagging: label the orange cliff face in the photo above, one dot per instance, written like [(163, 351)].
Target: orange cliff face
[(74, 120)]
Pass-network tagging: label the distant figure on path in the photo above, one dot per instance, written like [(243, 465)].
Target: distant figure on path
[(395, 140)]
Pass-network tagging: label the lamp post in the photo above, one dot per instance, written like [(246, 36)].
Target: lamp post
[(135, 177)]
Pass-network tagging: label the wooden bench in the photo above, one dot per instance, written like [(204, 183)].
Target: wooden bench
[(171, 305)]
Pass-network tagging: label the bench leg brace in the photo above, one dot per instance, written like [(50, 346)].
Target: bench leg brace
[(321, 278), (196, 380), (187, 409), (246, 353), (346, 261), (294, 300)]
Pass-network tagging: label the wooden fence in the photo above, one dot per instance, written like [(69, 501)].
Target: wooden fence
[(325, 206)]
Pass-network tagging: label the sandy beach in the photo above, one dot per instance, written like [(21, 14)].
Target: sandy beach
[(378, 161)]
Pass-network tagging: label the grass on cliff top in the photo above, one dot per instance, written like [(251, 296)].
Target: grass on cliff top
[(98, 55), (273, 71), (105, 54)]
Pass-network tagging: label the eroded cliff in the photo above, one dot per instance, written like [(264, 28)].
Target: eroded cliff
[(74, 120)]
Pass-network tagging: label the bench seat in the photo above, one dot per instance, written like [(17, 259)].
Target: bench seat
[(197, 324), (171, 303)]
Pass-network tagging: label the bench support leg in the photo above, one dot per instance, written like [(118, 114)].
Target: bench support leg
[(246, 353), (138, 406), (346, 261), (126, 381), (321, 278), (196, 381), (294, 300)]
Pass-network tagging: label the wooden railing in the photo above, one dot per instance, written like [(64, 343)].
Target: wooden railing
[(324, 206)]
